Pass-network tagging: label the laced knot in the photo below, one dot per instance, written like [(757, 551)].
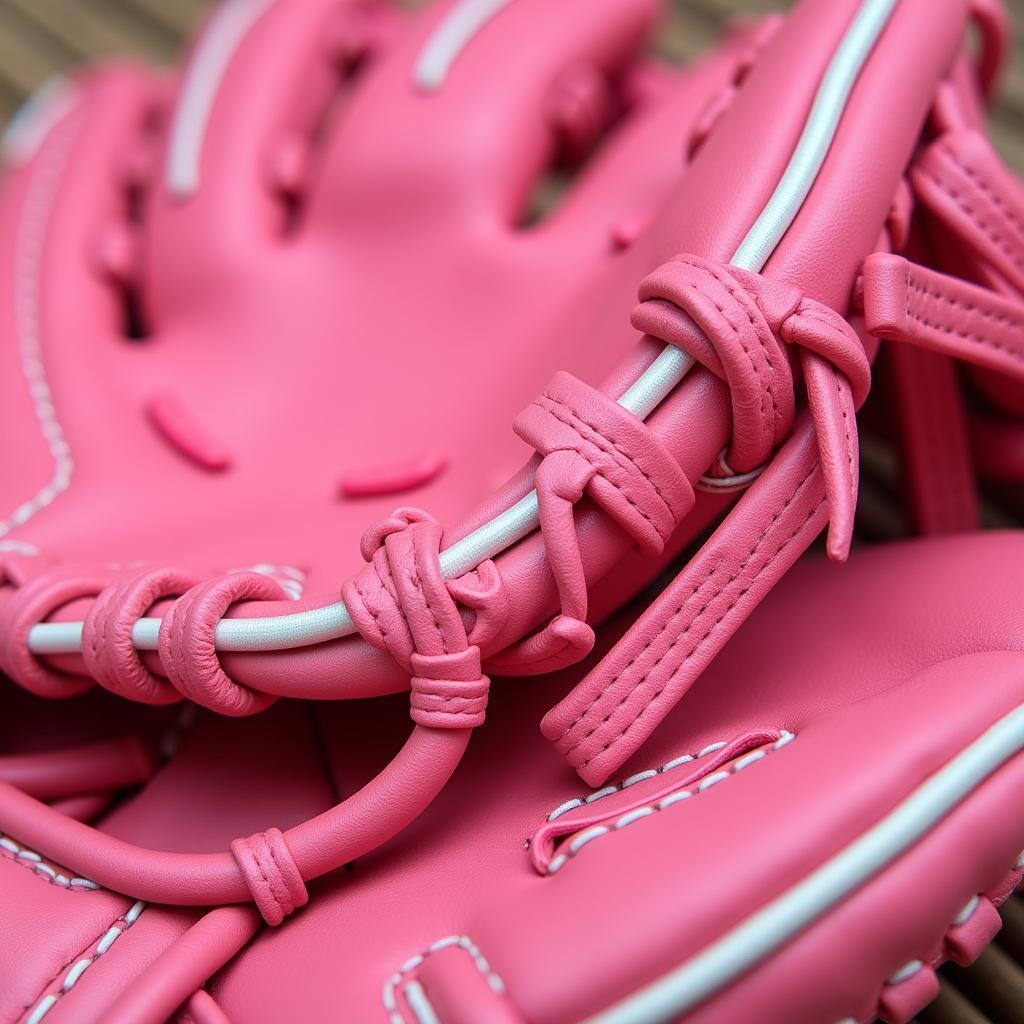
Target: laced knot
[(737, 324), (401, 603), (269, 869), (590, 445)]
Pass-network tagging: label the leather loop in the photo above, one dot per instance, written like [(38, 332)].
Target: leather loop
[(449, 691), (107, 648), (270, 872), (187, 647), (30, 604), (736, 324), (483, 589), (401, 603), (591, 445)]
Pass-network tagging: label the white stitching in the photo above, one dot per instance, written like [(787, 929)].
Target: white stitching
[(31, 860), (600, 794), (400, 977), (32, 233), (109, 937), (906, 972), (968, 910), (588, 835)]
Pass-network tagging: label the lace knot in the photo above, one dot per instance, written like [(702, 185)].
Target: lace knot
[(590, 445), (270, 872), (188, 649), (737, 324), (449, 691), (401, 603)]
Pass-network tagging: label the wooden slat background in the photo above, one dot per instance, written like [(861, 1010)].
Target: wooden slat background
[(40, 37)]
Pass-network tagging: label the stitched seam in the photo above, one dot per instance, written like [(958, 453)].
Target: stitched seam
[(986, 342), (673, 799), (981, 223), (921, 288), (841, 394), (427, 598), (262, 872), (570, 418), (32, 231), (280, 871), (997, 200), (694, 592), (463, 942), (684, 760), (699, 644), (27, 858), (45, 1003), (739, 597), (768, 381), (671, 619)]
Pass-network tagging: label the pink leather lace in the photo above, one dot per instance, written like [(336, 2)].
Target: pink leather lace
[(591, 445), (735, 323)]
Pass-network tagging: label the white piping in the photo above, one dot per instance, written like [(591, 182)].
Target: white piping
[(35, 119), (31, 241), (214, 51), (319, 625), (450, 38), (764, 932)]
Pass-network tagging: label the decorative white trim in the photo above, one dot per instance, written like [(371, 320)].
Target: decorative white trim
[(588, 835), (227, 29), (905, 973), (31, 860), (767, 930), (454, 33), (31, 242), (414, 994), (36, 118), (650, 773), (331, 622), (74, 974)]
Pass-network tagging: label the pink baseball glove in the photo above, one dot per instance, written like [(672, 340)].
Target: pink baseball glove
[(962, 212), (164, 240)]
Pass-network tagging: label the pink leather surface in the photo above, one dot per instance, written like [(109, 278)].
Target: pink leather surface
[(708, 216), (628, 905), (462, 869), (382, 366)]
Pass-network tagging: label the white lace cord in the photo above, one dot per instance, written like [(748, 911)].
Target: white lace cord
[(655, 384)]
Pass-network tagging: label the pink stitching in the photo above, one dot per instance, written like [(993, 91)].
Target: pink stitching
[(739, 597), (629, 463), (428, 598), (668, 624), (839, 381), (768, 381), (986, 228), (601, 470), (997, 200), (993, 343)]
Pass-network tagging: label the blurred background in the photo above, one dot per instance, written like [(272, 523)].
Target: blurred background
[(41, 37), (38, 37)]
